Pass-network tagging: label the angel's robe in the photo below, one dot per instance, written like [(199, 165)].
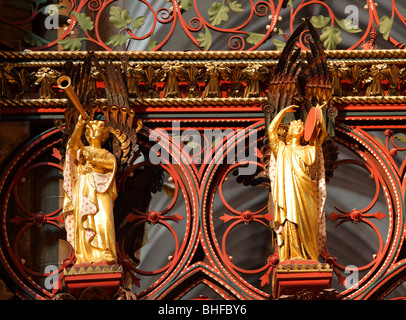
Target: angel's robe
[(90, 192), (298, 192)]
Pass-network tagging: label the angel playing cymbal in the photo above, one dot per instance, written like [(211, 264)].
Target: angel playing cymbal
[(295, 189), (296, 136)]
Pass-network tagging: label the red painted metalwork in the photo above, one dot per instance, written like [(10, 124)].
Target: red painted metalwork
[(219, 272), (371, 127), (197, 186), (165, 19)]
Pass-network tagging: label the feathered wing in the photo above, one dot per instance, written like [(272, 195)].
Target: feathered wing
[(305, 80), (117, 112), (314, 82), (282, 86)]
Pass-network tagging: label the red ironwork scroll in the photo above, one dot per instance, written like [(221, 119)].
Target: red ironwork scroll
[(250, 25)]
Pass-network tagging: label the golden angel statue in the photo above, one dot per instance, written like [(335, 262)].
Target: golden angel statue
[(295, 189), (90, 191), (91, 167), (295, 139)]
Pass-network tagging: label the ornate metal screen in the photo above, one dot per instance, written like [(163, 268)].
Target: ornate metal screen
[(207, 231)]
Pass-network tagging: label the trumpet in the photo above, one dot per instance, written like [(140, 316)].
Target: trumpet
[(64, 82)]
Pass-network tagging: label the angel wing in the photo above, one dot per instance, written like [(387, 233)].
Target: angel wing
[(283, 85), (315, 80), (117, 112), (305, 80)]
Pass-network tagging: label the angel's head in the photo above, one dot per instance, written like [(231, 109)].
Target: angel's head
[(295, 130), (96, 132)]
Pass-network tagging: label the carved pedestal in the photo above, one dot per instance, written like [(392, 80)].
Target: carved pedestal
[(302, 279), (94, 281)]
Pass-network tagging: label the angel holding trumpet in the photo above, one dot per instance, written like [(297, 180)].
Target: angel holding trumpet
[(90, 191), (90, 188), (96, 156)]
